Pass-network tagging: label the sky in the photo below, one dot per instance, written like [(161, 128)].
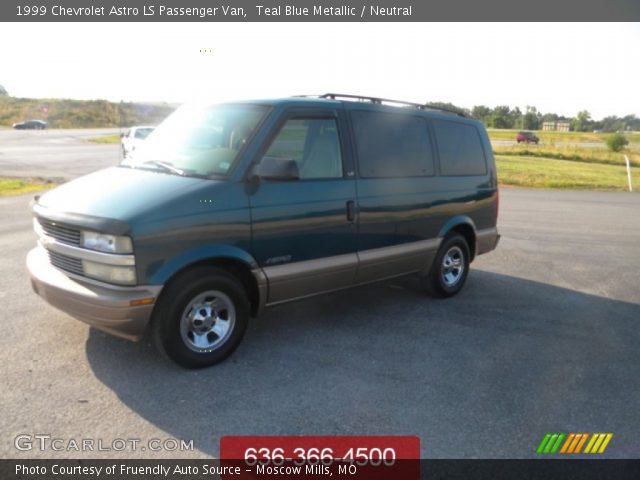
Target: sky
[(558, 67)]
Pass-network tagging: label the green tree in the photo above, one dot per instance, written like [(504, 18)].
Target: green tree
[(3, 92), (448, 106), (617, 142), (482, 113), (515, 118), (582, 122), (501, 117), (531, 119), (631, 122)]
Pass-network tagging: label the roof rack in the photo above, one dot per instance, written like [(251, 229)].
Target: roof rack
[(382, 101)]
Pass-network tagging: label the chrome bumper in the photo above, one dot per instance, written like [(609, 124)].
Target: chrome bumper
[(106, 307)]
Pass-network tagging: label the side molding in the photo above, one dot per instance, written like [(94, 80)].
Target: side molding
[(170, 268), (300, 279)]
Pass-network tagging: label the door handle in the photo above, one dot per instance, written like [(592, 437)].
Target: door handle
[(351, 211)]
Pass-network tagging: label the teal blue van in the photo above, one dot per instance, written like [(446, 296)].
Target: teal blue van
[(228, 209)]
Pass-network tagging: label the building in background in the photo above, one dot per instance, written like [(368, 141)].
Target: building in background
[(556, 126)]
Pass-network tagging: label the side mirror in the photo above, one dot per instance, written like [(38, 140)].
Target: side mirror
[(273, 168)]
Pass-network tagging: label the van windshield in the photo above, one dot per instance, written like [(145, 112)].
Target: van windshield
[(200, 141)]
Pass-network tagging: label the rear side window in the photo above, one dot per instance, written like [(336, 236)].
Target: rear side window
[(460, 149), (392, 145)]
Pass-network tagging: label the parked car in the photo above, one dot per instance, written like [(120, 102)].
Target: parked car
[(31, 125), (228, 209), (132, 138), (527, 137)]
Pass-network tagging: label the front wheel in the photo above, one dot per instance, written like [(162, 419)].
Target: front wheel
[(201, 317), (450, 267)]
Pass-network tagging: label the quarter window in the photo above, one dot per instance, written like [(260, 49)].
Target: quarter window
[(460, 149)]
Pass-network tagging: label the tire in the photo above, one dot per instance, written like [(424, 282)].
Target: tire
[(201, 317), (444, 278)]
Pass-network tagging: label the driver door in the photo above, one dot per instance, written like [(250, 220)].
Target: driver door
[(304, 231)]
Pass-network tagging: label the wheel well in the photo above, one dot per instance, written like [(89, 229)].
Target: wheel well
[(469, 235), (236, 268)]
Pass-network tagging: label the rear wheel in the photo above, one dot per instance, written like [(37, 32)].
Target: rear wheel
[(450, 267), (201, 317)]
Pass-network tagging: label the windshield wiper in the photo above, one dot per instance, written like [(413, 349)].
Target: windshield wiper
[(167, 166)]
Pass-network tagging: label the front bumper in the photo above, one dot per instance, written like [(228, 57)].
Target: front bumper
[(106, 307)]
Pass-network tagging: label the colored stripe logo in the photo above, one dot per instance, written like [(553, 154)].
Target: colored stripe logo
[(574, 442)]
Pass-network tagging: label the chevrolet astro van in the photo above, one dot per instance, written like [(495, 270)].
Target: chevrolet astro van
[(228, 209)]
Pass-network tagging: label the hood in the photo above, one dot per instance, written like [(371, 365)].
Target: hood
[(121, 194)]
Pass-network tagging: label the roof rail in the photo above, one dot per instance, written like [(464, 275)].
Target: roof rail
[(382, 101)]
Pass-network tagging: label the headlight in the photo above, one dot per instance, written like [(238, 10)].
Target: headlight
[(105, 243), (110, 273)]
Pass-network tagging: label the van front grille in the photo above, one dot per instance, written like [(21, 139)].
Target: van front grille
[(66, 263), (62, 233)]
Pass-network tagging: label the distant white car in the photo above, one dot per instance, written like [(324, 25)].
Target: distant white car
[(132, 139)]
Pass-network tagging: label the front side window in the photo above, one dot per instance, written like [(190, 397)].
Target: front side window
[(198, 141), (314, 145)]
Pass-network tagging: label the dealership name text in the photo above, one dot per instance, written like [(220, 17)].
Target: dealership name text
[(127, 470), (44, 442)]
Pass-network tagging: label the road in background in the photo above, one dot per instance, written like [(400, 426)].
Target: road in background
[(511, 143), (57, 155)]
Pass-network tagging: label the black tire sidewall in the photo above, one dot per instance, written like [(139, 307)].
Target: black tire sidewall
[(437, 285), (175, 299)]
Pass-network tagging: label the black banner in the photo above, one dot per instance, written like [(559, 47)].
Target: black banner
[(316, 10), (565, 469)]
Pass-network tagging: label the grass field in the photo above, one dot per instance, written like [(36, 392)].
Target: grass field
[(106, 139), (561, 137), (16, 186), (577, 154), (555, 163), (552, 173)]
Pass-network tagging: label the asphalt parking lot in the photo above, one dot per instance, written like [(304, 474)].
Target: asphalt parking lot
[(544, 337), (54, 154)]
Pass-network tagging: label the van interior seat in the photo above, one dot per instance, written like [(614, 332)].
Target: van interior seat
[(323, 160)]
